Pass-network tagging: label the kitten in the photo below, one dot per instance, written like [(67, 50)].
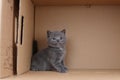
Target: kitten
[(52, 57)]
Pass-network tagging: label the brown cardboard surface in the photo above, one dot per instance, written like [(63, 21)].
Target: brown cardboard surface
[(6, 38), (70, 75), (93, 34), (76, 2), (0, 33), (25, 49)]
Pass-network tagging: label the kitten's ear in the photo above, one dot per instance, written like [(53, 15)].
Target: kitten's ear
[(63, 31), (48, 33)]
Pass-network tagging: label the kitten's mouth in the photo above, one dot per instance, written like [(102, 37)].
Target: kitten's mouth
[(56, 44)]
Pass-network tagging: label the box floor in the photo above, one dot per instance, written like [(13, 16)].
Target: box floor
[(70, 75)]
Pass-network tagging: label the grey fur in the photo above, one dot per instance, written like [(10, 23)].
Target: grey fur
[(52, 57)]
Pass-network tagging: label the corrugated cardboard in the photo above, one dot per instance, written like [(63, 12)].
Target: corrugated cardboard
[(25, 49), (6, 38)]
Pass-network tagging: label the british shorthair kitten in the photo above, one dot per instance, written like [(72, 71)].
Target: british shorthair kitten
[(52, 57)]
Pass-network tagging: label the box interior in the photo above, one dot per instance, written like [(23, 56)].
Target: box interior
[(93, 32)]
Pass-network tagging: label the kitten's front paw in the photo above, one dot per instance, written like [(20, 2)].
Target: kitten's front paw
[(66, 68), (34, 69), (62, 71)]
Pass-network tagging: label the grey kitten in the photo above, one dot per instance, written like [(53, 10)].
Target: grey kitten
[(52, 57)]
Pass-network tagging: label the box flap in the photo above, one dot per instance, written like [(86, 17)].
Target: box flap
[(25, 36)]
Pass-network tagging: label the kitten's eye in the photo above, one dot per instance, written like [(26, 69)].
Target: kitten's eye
[(53, 38), (61, 38)]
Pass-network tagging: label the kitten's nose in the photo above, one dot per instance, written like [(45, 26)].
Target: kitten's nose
[(57, 40)]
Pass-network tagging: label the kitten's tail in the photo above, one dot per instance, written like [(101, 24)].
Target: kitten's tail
[(34, 47)]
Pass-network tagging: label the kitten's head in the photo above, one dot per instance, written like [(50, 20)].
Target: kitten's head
[(56, 38)]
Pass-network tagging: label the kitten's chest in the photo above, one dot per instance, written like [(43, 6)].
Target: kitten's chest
[(59, 54), (58, 51)]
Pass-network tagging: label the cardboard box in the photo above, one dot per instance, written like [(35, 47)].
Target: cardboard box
[(6, 37), (93, 37)]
